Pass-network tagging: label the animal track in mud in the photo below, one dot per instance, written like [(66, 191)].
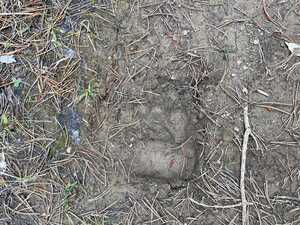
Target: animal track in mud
[(167, 148)]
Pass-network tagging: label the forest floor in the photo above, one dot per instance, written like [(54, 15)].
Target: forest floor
[(176, 112)]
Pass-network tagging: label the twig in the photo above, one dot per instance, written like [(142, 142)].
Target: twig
[(243, 165), (268, 17), (18, 14), (216, 206)]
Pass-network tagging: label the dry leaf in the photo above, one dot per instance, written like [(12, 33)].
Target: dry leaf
[(2, 163), (294, 48), (7, 59)]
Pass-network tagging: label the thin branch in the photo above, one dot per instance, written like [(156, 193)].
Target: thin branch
[(243, 165), (217, 206)]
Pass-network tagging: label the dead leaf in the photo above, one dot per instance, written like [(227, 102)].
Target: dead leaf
[(2, 163), (294, 48), (7, 59)]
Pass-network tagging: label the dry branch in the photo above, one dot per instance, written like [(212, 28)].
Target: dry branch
[(243, 165)]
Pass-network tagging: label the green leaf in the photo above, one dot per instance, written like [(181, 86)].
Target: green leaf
[(7, 45), (70, 188), (16, 82), (90, 91), (4, 120), (55, 40)]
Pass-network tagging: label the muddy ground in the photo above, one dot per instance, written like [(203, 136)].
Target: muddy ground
[(132, 112)]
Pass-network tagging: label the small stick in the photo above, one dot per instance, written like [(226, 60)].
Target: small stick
[(216, 206), (243, 165), (268, 17), (17, 14)]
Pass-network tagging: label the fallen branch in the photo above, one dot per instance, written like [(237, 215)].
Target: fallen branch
[(243, 165)]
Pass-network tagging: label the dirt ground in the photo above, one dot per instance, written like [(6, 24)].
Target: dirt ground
[(134, 112)]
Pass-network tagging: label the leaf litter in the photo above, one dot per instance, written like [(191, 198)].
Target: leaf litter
[(7, 59)]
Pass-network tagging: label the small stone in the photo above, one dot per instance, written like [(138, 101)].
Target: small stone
[(256, 42), (68, 150), (185, 32), (245, 90)]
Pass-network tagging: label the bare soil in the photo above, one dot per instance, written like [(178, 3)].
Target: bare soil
[(132, 112)]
